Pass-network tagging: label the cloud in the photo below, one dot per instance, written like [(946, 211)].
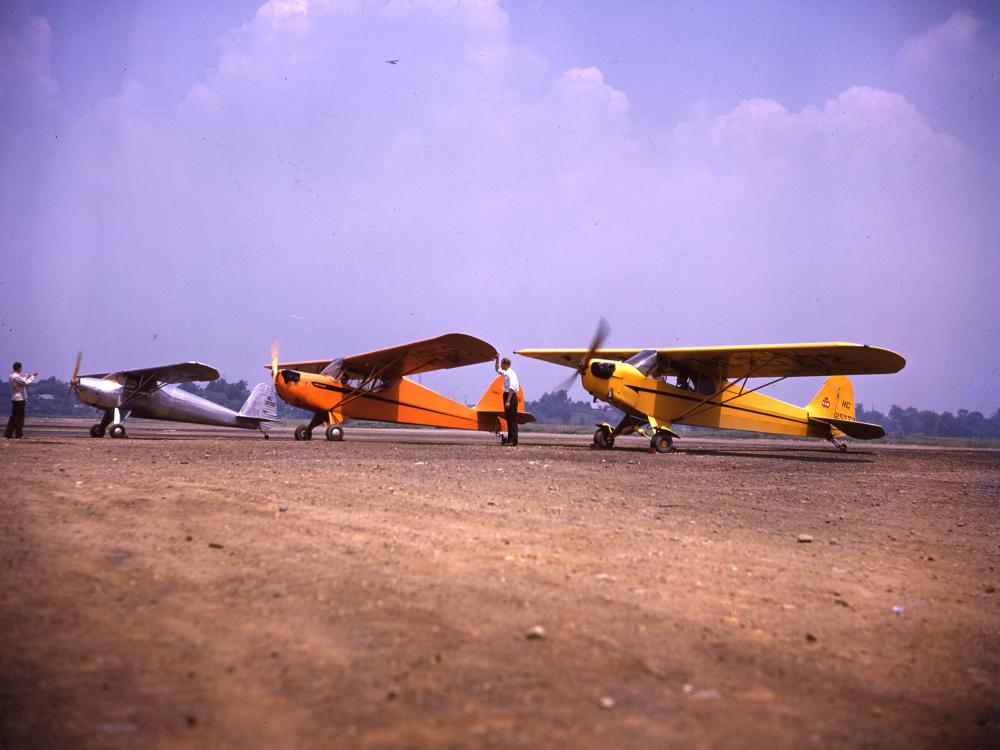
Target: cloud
[(956, 37), (25, 57)]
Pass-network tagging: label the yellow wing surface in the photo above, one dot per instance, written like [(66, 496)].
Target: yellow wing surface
[(439, 353), (758, 361)]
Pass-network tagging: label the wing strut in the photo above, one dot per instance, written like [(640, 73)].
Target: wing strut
[(362, 387), (697, 408), (142, 387)]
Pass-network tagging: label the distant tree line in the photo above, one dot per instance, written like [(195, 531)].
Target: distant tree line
[(911, 421), (556, 407), (51, 397)]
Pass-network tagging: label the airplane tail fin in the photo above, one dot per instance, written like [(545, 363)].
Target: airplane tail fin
[(834, 407), (491, 404), (262, 404), (835, 399)]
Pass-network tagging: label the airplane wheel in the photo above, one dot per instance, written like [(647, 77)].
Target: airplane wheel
[(662, 443), (603, 439), (302, 432), (117, 430), (334, 433), (97, 430)]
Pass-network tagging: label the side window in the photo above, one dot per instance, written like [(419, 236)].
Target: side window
[(704, 384)]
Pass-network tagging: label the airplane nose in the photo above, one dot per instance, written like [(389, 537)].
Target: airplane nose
[(602, 370)]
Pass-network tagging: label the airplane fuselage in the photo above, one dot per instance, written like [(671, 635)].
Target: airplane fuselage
[(169, 403), (400, 401), (724, 405)]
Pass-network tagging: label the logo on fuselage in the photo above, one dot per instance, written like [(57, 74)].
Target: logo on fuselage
[(826, 402)]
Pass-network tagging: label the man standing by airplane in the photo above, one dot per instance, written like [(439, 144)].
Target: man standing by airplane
[(511, 392), (18, 397)]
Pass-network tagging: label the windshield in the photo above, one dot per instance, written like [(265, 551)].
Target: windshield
[(645, 362), (334, 369)]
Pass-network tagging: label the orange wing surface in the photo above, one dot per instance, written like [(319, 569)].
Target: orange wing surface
[(759, 361), (439, 353)]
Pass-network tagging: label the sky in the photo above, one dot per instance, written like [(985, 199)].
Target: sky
[(190, 181)]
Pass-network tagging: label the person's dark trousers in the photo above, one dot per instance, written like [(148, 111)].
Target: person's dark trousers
[(15, 425), (510, 412)]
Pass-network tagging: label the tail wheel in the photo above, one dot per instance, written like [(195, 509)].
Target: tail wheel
[(334, 433), (662, 442), (302, 432), (97, 430), (117, 431), (603, 438)]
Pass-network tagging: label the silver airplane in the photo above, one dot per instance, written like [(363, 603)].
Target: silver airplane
[(154, 393)]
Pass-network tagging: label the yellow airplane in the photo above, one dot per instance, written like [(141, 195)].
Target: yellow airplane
[(710, 388)]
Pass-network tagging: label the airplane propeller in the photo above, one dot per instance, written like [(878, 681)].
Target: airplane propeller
[(74, 380), (274, 360), (600, 334)]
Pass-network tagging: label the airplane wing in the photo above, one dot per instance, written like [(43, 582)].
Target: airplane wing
[(182, 372), (440, 353), (758, 361)]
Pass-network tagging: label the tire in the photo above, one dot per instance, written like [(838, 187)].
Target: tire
[(662, 443), (603, 439), (302, 432), (334, 433), (118, 431), (97, 431)]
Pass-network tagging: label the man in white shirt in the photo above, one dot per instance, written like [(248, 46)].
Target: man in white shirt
[(18, 395), (511, 393)]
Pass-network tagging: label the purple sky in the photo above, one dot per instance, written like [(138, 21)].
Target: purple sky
[(191, 180)]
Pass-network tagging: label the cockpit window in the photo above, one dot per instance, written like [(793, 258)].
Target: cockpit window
[(645, 362), (696, 381), (334, 369)]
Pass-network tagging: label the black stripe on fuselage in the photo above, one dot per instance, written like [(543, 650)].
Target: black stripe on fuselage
[(721, 406), (383, 399)]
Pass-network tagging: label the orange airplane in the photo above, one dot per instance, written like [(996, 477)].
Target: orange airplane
[(374, 386)]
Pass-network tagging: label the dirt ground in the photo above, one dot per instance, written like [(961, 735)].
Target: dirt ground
[(430, 589)]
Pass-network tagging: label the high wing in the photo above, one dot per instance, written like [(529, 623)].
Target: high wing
[(440, 353), (182, 372), (758, 361)]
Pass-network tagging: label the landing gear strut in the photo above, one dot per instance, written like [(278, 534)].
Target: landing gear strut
[(840, 445)]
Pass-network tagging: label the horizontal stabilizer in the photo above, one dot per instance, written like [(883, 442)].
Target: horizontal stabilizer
[(523, 417), (858, 430)]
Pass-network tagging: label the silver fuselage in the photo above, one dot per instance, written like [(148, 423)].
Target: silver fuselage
[(168, 403)]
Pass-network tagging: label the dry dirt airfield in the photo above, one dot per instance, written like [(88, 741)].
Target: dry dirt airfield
[(429, 589)]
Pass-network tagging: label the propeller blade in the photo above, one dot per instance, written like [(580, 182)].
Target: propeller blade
[(603, 329), (274, 360), (76, 371), (600, 334), (567, 383)]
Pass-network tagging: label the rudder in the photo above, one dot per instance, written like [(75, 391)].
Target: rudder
[(835, 400), (492, 402), (262, 404)]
